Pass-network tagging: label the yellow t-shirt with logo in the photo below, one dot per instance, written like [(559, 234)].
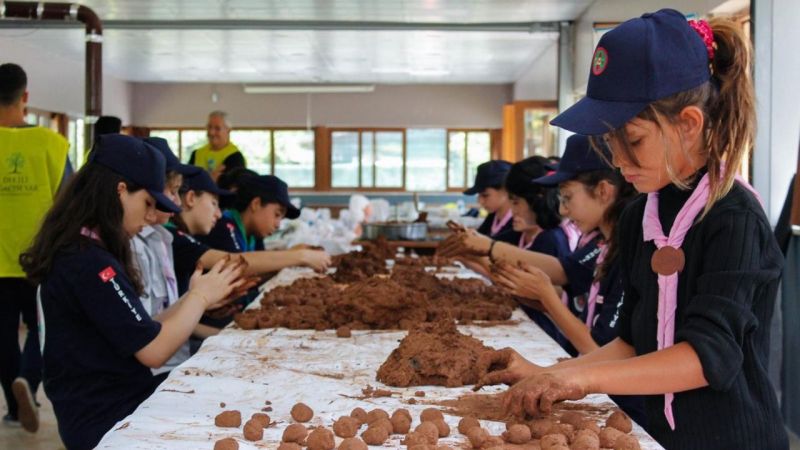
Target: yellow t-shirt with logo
[(32, 162), (210, 159)]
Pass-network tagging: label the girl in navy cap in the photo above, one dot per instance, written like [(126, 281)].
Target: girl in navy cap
[(98, 341), (701, 267), (490, 187)]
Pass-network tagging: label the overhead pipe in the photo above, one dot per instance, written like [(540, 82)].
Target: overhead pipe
[(71, 12)]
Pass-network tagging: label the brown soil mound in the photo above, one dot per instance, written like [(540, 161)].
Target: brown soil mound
[(434, 354)]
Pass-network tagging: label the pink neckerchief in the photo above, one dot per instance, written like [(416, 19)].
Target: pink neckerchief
[(594, 299), (91, 234), (572, 232), (668, 284), (498, 225), (582, 240), (526, 245)]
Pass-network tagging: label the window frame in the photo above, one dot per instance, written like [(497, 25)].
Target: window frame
[(361, 131), (467, 180)]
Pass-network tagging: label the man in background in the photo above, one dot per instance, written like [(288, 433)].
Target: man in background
[(219, 155)]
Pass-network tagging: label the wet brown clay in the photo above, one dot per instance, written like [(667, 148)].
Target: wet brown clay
[(295, 433), (376, 435), (346, 427), (517, 434), (302, 413), (353, 443), (228, 419), (620, 421), (253, 430), (321, 439), (226, 444)]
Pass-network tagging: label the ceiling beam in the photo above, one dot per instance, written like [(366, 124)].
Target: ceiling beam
[(301, 25)]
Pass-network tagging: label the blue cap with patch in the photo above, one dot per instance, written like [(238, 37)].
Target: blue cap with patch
[(579, 157), (173, 163), (135, 160), (201, 182), (272, 188), (638, 62), (490, 174)]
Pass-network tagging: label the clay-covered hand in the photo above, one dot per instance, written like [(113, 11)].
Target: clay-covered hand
[(468, 242), (216, 285), (524, 281), (535, 395), (317, 260), (224, 311), (504, 366)]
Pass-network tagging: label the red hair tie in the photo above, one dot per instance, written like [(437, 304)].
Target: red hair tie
[(706, 33)]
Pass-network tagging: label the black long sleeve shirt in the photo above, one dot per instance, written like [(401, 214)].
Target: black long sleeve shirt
[(726, 296)]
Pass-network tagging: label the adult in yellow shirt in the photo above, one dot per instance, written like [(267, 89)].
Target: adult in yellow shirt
[(33, 165), (219, 155)]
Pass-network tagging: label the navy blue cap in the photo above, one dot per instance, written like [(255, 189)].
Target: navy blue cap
[(137, 161), (201, 181), (272, 188), (579, 157), (491, 173), (638, 62), (173, 163)]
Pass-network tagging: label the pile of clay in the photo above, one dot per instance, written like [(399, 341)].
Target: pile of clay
[(409, 297), (357, 266), (434, 354)]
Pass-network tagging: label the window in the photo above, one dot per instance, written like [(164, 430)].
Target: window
[(426, 159), (294, 157), (367, 158), (75, 137), (466, 151), (289, 154)]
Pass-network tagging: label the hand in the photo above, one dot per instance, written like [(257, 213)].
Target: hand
[(317, 260), (217, 172), (468, 242), (525, 281), (504, 366), (224, 311), (216, 286), (536, 394)]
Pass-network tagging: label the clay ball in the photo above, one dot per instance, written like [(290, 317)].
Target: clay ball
[(430, 430), (608, 437), (563, 428), (353, 443), (517, 434), (586, 440), (419, 394), (431, 414), (540, 427), (289, 446), (590, 425), (253, 431), (626, 442), (422, 447), (552, 440), (402, 412), (466, 424), (620, 421), (346, 427), (302, 413), (343, 332), (295, 433), (443, 427), (477, 436), (375, 435), (384, 423), (573, 418), (359, 414), (261, 418), (414, 440), (321, 439), (226, 444), (400, 424), (376, 414), (228, 419)]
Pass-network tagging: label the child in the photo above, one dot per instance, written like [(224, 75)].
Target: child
[(98, 341), (492, 196), (701, 269)]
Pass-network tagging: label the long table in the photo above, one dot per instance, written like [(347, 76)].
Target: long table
[(275, 368)]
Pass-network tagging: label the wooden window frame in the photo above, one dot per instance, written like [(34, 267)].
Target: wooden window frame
[(466, 132)]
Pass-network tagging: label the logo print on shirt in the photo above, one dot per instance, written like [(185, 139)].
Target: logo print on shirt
[(599, 61), (107, 274), (231, 230)]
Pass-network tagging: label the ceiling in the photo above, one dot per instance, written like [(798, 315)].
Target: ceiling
[(346, 41)]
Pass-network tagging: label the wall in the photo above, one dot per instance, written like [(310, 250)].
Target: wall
[(56, 83), (539, 80), (777, 70), (478, 106)]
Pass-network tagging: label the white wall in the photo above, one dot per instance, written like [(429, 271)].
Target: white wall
[(56, 83), (777, 70), (539, 80), (391, 106)]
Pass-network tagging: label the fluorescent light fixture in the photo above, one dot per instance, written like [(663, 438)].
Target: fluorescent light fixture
[(308, 88), (429, 72)]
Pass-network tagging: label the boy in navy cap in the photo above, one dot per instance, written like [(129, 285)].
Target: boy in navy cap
[(99, 343), (490, 187)]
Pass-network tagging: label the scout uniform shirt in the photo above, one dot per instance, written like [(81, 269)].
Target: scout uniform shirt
[(230, 236)]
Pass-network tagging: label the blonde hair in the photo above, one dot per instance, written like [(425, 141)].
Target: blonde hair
[(728, 104)]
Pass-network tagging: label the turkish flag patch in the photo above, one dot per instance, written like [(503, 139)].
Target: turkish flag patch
[(230, 226), (107, 274)]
